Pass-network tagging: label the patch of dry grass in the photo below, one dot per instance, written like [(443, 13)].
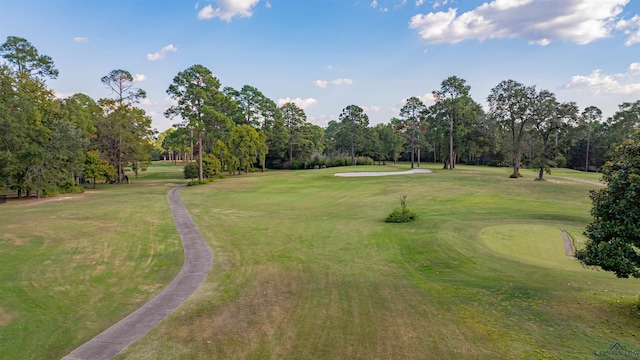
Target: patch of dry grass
[(305, 268), (75, 264)]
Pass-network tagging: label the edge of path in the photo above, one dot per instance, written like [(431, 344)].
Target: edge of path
[(197, 263)]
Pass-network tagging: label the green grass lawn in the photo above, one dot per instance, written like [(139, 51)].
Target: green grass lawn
[(306, 268), (75, 264)]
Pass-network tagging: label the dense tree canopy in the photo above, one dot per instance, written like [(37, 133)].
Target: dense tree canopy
[(47, 144), (411, 122), (614, 234), (24, 58), (354, 121), (199, 101), (454, 102)]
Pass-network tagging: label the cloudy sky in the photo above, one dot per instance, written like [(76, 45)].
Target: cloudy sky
[(327, 54)]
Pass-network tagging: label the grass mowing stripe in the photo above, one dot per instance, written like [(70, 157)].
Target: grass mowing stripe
[(306, 268)]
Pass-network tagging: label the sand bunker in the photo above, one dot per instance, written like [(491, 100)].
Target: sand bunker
[(383, 173)]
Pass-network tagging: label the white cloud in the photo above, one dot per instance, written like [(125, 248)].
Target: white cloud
[(371, 109), (161, 54), (322, 120), (139, 77), (80, 39), (320, 83), (428, 99), (301, 103), (337, 82), (374, 4), (539, 22), (227, 9), (268, 5), (631, 28), (436, 4), (61, 95), (341, 82), (598, 83)]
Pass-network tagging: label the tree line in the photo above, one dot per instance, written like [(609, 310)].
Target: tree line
[(49, 144)]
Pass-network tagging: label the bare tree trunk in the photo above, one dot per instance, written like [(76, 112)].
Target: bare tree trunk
[(451, 166), (413, 146), (290, 155), (353, 153), (418, 156), (586, 167), (191, 157), (200, 155), (435, 160), (120, 170)]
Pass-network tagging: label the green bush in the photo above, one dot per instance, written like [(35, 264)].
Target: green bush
[(198, 182), (298, 164), (401, 214), (191, 170), (319, 159), (364, 160), (340, 160), (211, 166)]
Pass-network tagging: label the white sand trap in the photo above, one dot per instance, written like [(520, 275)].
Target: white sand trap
[(383, 173)]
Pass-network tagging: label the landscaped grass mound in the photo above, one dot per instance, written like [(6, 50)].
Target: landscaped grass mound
[(540, 245)]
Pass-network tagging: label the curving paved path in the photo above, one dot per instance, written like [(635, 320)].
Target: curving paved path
[(197, 263)]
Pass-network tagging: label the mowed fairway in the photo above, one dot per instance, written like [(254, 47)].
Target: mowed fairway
[(73, 265), (305, 268)]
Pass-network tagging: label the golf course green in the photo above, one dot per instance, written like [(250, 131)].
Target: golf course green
[(304, 267)]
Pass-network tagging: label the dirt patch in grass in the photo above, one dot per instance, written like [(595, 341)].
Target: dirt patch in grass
[(5, 317), (245, 321), (33, 201), (15, 239)]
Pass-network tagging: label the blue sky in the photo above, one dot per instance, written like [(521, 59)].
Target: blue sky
[(327, 54)]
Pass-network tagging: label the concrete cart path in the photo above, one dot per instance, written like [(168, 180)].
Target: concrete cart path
[(197, 263)]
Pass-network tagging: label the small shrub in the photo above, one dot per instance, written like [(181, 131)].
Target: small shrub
[(339, 160), (364, 160), (211, 166), (318, 159), (199, 182), (495, 163), (191, 170), (401, 214), (298, 164)]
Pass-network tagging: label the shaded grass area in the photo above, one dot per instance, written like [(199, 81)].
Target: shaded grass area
[(73, 265), (306, 268)]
